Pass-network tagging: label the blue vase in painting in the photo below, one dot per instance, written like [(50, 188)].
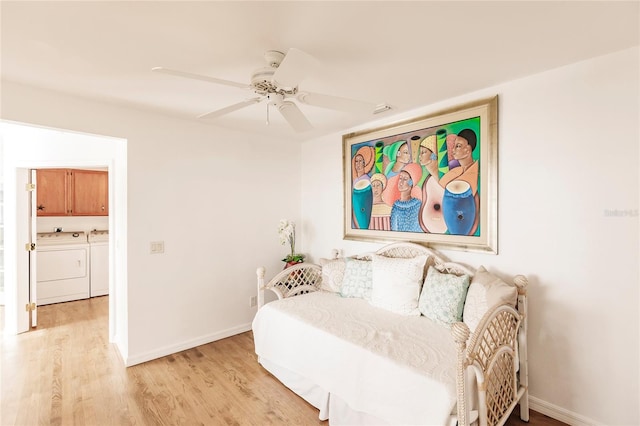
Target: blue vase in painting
[(459, 207), (361, 203)]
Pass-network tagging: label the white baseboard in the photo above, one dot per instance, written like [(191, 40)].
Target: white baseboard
[(168, 350), (559, 413)]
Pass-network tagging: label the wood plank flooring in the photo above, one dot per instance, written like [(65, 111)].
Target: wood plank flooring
[(67, 373)]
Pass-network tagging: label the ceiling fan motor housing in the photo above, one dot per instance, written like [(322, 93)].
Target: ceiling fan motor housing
[(261, 80)]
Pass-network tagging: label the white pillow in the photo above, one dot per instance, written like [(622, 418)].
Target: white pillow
[(396, 283), (486, 291), (332, 274)]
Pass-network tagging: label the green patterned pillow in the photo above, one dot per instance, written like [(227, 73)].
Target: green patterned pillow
[(358, 279), (442, 297)]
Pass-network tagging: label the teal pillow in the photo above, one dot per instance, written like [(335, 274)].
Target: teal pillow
[(358, 279), (442, 297)]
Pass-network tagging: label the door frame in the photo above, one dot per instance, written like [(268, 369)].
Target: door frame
[(64, 148)]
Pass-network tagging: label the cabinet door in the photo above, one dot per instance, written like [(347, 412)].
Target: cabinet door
[(90, 193), (52, 192)]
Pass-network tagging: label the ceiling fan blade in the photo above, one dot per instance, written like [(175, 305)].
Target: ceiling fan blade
[(294, 116), (199, 77), (230, 108), (334, 102), (295, 66)]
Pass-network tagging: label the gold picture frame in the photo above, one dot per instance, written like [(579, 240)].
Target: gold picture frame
[(431, 179)]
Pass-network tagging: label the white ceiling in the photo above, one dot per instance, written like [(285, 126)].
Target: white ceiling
[(405, 54)]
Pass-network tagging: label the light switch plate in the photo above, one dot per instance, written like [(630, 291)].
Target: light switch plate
[(157, 247)]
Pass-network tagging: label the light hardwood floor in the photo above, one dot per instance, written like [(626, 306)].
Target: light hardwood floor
[(67, 373)]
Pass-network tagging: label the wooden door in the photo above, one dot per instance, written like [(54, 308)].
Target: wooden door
[(52, 192), (90, 193)]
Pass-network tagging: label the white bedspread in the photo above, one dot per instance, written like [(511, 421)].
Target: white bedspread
[(400, 369)]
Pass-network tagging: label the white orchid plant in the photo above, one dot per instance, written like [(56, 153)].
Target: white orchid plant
[(287, 232)]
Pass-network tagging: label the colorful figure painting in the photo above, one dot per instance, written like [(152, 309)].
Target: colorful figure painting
[(421, 182)]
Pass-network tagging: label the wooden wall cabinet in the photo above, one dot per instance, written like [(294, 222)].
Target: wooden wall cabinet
[(72, 192), (51, 185), (90, 193)]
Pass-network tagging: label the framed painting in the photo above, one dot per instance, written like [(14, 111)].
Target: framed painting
[(431, 179)]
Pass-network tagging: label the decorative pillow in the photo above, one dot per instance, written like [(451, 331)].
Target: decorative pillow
[(357, 280), (396, 283), (486, 291), (332, 274), (442, 297)]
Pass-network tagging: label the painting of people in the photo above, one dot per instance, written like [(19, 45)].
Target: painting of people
[(427, 180)]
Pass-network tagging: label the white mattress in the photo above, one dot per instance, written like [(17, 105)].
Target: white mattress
[(397, 368)]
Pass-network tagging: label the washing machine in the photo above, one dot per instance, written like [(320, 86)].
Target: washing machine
[(99, 275), (62, 267)]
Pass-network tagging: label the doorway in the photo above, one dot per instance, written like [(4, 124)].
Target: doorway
[(27, 147)]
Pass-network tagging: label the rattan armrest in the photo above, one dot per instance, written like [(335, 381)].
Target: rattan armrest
[(298, 279)]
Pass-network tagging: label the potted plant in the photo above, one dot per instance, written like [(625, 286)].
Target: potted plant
[(287, 232)]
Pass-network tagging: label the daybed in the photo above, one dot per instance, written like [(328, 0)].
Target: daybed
[(399, 336)]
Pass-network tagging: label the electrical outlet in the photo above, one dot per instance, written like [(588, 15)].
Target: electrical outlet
[(253, 301), (157, 247)]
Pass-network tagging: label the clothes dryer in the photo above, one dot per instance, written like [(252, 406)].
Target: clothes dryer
[(99, 275), (62, 270)]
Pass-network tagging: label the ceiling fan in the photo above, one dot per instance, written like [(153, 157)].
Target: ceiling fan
[(277, 83)]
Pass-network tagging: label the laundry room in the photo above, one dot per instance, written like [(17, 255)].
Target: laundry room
[(72, 222)]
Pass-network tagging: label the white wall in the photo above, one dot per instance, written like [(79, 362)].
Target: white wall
[(568, 154), (213, 196)]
